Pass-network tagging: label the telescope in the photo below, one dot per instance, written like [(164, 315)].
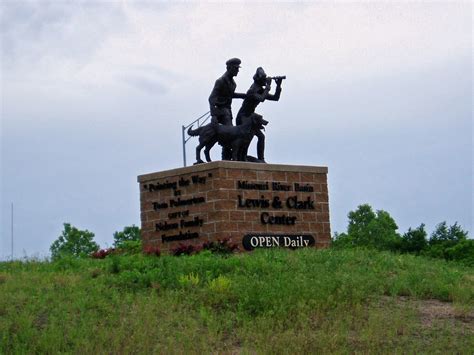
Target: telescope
[(278, 77)]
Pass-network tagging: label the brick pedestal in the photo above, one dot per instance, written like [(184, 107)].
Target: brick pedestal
[(257, 205)]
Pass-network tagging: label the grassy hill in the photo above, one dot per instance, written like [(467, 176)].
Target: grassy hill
[(270, 301)]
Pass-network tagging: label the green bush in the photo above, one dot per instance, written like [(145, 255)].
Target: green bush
[(73, 243)]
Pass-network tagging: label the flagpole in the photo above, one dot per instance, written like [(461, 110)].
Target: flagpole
[(12, 230)]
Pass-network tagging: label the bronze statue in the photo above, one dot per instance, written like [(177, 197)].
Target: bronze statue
[(235, 140), (258, 92), (220, 100)]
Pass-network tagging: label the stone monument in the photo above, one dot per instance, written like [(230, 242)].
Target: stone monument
[(257, 205)]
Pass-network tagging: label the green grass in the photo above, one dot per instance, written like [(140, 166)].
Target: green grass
[(269, 301)]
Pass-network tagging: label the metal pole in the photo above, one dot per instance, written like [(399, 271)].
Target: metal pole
[(12, 231), (184, 145), (183, 135)]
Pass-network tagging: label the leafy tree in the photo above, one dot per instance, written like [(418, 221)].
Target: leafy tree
[(382, 231), (129, 234), (378, 230), (448, 235), (369, 229), (414, 240), (341, 240), (359, 221), (73, 242), (463, 252), (445, 238)]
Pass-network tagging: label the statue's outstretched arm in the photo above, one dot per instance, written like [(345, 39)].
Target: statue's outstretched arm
[(276, 96), (238, 95)]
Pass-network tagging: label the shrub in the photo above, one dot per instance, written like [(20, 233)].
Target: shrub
[(73, 242), (190, 280), (152, 250), (183, 249), (102, 253), (222, 246), (221, 284)]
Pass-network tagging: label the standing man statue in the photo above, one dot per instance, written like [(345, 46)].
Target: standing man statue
[(258, 92), (220, 100)]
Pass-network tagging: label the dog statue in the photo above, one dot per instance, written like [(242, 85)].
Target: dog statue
[(237, 138)]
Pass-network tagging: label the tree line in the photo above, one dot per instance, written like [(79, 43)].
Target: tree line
[(366, 229), (378, 230)]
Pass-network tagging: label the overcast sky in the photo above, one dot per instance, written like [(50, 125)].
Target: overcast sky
[(94, 93)]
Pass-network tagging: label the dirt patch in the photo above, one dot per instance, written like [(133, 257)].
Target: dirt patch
[(432, 311), (3, 278)]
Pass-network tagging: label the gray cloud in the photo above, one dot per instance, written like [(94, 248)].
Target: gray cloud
[(146, 84), (42, 35)]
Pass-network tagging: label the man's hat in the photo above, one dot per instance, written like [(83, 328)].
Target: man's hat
[(260, 74), (234, 62)]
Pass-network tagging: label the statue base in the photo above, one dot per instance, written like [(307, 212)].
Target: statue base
[(255, 205)]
